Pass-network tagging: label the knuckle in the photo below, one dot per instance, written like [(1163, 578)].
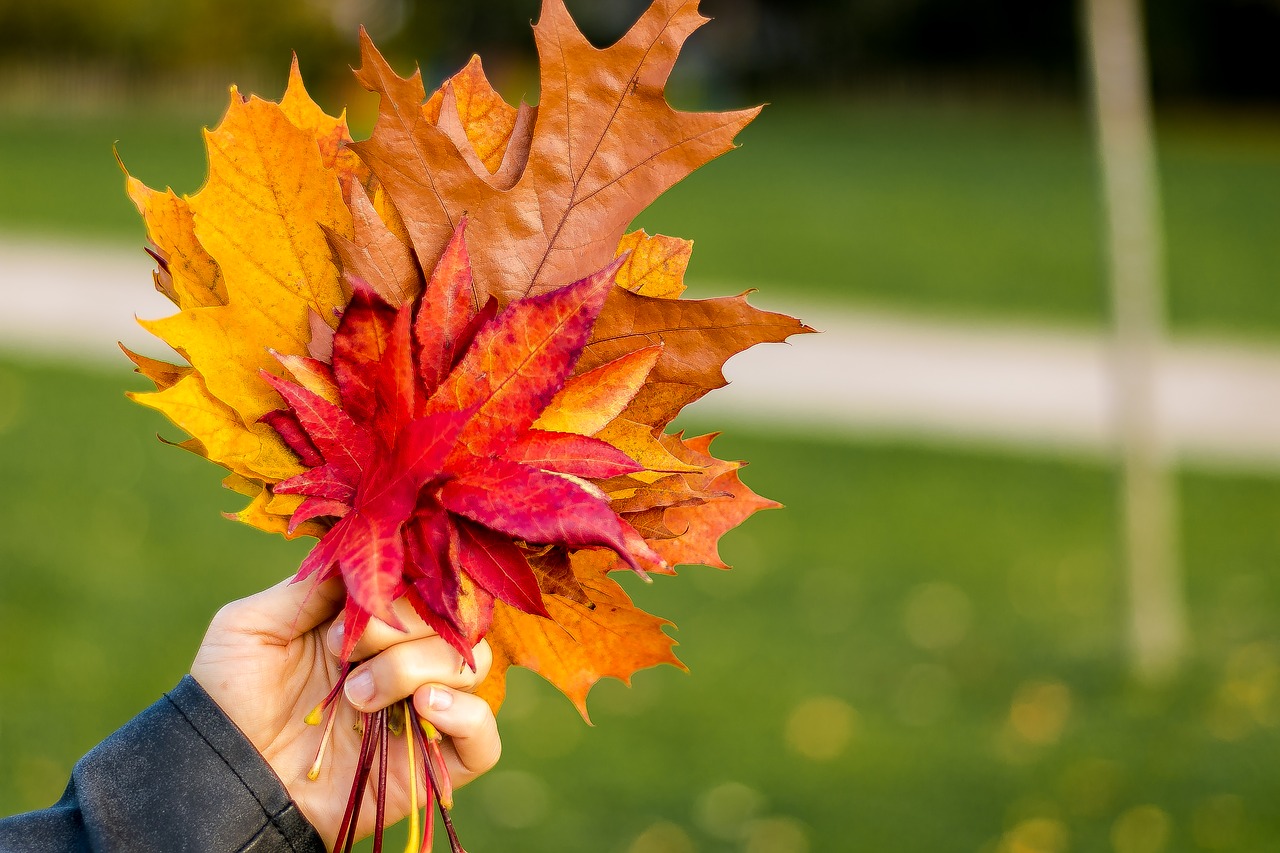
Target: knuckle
[(228, 617), (491, 756), (403, 671), (473, 718), (373, 640), (475, 726)]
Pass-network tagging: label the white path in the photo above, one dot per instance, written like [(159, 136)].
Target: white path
[(1039, 388)]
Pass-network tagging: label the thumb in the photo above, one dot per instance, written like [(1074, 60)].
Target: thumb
[(291, 609)]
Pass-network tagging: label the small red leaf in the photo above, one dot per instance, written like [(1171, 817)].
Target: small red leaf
[(331, 430), (447, 308), (358, 346), (369, 551), (315, 508), (420, 595), (486, 313), (354, 620), (520, 360), (286, 425), (451, 602), (426, 536), (394, 387), (535, 506), (567, 453), (325, 481), (434, 585), (321, 560), (497, 564)]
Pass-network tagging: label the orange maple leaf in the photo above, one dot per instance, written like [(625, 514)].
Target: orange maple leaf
[(582, 642)]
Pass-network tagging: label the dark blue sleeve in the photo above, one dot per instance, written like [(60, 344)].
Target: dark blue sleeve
[(178, 777)]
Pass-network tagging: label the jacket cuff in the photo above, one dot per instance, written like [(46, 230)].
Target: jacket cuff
[(181, 776)]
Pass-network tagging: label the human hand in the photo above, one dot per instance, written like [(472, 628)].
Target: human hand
[(269, 659)]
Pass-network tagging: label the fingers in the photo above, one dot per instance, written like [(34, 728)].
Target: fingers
[(473, 745), (378, 635), (397, 671)]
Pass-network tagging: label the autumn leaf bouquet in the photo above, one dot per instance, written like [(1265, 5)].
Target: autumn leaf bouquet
[(439, 352)]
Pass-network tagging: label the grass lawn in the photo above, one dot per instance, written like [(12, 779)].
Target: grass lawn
[(988, 211), (922, 653)]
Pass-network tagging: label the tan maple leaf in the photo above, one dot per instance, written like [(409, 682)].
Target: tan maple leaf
[(581, 174)]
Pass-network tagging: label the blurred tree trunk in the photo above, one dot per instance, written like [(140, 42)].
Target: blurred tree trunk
[(1157, 620)]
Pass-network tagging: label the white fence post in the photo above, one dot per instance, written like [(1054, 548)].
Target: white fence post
[(1157, 620)]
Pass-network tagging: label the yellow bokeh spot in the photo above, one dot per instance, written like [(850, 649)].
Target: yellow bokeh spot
[(1249, 695), (662, 837), (776, 835), (1217, 822), (820, 727), (1141, 829), (1040, 711), (1035, 835), (725, 810)]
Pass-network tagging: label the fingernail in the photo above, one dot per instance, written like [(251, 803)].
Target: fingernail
[(439, 699), (359, 688), (335, 638)]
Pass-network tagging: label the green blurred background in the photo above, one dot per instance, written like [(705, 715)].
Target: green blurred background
[(926, 650)]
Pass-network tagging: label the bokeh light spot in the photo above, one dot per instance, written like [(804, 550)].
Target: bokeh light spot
[(1141, 829), (1253, 673), (937, 616), (776, 835), (1248, 696), (1035, 835), (820, 727), (1040, 711), (662, 837), (1217, 822), (725, 810)]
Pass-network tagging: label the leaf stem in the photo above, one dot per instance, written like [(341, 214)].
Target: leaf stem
[(382, 724), (412, 750), (352, 814), (454, 845), (313, 718), (314, 773)]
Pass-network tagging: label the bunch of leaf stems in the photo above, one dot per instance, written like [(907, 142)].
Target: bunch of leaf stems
[(422, 742)]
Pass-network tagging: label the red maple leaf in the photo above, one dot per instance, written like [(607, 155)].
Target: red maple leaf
[(435, 483)]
